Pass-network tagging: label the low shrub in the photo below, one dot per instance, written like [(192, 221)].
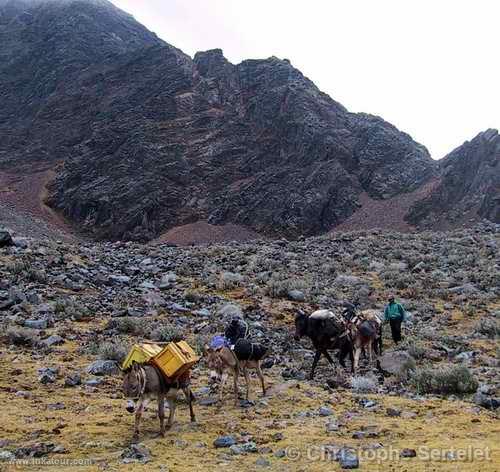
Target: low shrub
[(229, 280), (166, 333), (192, 296), (112, 351), (279, 286), (445, 380), (488, 327), (362, 384), (127, 325)]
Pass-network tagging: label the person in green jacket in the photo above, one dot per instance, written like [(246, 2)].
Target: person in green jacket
[(395, 314)]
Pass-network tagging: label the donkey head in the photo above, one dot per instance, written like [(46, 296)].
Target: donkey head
[(133, 384), (215, 363), (301, 323)]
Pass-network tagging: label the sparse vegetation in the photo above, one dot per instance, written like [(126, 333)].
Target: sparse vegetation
[(166, 333), (362, 384), (127, 325), (112, 351), (445, 380), (279, 285), (488, 327), (229, 281)]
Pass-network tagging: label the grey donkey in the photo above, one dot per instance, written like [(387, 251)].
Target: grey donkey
[(246, 355), (144, 382)]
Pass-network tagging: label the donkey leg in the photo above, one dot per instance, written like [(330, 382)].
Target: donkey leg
[(315, 363), (261, 377), (357, 353), (247, 381), (171, 407), (327, 355), (351, 358), (236, 374), (138, 414), (221, 386), (189, 398), (161, 413)]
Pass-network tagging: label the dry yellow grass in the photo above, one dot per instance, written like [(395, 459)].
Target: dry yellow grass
[(94, 424)]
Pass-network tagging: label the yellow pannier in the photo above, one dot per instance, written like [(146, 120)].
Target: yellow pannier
[(175, 359), (141, 353)]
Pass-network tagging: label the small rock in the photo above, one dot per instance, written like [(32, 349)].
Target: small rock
[(202, 312), (94, 382), (7, 456), (224, 441), (36, 324), (5, 238), (393, 412), (56, 406), (47, 375), (209, 401), (486, 401), (23, 394), (279, 436), (73, 380), (296, 295), (262, 462), (348, 459), (325, 411), (289, 373), (408, 453), (54, 340), (103, 367), (119, 279), (136, 453), (249, 447), (332, 427)]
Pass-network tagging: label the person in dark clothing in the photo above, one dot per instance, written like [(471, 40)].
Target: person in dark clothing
[(395, 314), (235, 330)]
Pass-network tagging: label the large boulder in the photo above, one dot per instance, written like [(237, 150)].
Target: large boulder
[(396, 363), (5, 238)]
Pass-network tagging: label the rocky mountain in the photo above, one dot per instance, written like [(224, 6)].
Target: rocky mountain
[(134, 138), (469, 186), (147, 138)]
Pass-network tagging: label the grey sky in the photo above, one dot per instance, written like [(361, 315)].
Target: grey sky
[(430, 67)]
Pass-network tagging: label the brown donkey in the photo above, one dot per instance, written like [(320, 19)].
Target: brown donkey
[(144, 382), (246, 355), (364, 329)]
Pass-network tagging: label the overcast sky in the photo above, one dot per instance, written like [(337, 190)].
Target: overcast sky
[(430, 67)]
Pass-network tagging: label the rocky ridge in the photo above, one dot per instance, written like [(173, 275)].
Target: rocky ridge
[(469, 185)]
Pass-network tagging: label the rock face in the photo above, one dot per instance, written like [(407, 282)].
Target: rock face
[(149, 139), (469, 186)]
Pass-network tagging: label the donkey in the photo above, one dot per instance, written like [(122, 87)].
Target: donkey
[(365, 330), (327, 331), (246, 355), (143, 382)]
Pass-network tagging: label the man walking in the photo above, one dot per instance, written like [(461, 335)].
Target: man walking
[(236, 329), (395, 314)]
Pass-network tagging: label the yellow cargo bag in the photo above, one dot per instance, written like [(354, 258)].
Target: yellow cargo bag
[(141, 353), (175, 359)]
